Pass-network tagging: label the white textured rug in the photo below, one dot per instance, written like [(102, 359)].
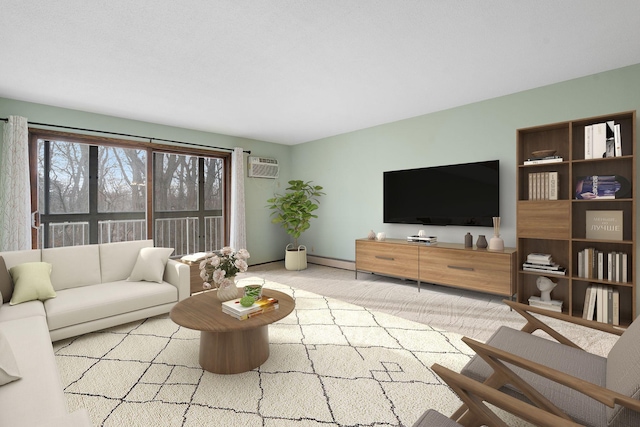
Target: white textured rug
[(331, 364)]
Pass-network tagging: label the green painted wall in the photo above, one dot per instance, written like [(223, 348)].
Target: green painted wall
[(265, 241), (350, 166)]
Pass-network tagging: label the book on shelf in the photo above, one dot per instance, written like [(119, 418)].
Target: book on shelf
[(602, 304), (246, 316), (604, 225), (596, 264), (588, 142), (543, 160), (547, 267), (560, 272), (553, 305), (617, 141), (599, 140), (543, 264), (543, 186), (602, 140), (539, 258)]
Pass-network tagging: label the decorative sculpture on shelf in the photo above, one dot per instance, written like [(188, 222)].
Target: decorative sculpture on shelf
[(545, 286)]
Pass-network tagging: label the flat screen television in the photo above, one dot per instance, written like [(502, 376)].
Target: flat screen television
[(465, 194)]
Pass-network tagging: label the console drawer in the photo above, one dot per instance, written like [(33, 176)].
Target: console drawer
[(390, 259), (477, 270)]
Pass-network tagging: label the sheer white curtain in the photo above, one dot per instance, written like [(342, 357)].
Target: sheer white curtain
[(15, 190), (238, 238)]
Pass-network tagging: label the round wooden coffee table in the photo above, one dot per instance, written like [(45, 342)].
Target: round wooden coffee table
[(229, 345)]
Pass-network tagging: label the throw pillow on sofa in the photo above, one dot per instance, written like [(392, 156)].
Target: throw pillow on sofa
[(150, 265), (32, 281)]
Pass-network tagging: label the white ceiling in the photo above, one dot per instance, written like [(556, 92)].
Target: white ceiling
[(291, 71)]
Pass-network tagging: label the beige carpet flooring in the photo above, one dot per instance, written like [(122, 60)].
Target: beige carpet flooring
[(331, 364), (473, 314)]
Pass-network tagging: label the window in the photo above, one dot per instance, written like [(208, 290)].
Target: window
[(95, 190), (188, 194)]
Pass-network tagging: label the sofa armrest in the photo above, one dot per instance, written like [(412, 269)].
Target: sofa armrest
[(179, 275)]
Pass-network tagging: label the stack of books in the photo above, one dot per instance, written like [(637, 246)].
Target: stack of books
[(602, 140), (553, 305), (543, 160), (602, 304), (543, 186), (235, 309), (543, 264)]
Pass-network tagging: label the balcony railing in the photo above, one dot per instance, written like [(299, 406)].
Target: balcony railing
[(65, 234), (182, 234), (122, 230)]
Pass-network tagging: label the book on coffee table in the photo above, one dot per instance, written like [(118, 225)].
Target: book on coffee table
[(253, 313), (235, 309)]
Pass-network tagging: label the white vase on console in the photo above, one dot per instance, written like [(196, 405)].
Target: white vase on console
[(496, 243)]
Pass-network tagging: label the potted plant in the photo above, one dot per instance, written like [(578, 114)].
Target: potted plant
[(294, 210)]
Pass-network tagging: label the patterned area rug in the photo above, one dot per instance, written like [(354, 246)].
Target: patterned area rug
[(331, 364)]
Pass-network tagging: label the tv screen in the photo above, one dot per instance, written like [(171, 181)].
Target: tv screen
[(463, 194)]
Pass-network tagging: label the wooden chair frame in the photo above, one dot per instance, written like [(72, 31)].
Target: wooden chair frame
[(496, 358), (474, 394)]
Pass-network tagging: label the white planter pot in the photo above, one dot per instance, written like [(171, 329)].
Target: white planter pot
[(295, 259)]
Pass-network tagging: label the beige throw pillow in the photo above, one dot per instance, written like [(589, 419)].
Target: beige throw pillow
[(8, 367), (32, 281), (150, 265)]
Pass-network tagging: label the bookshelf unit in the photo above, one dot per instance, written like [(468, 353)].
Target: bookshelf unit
[(558, 227)]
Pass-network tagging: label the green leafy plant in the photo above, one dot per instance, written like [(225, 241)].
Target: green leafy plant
[(294, 209)]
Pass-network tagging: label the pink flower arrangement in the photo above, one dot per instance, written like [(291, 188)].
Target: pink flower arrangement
[(220, 268)]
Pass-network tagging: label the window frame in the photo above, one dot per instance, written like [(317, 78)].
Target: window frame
[(150, 147)]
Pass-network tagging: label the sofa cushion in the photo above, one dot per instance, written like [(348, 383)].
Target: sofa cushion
[(38, 395), (13, 258), (150, 265), (73, 266), (32, 282), (117, 259), (78, 305), (8, 368), (6, 284), (623, 375)]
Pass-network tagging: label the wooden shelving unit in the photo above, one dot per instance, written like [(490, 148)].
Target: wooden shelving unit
[(558, 227)]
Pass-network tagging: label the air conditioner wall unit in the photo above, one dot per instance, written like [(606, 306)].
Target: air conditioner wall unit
[(262, 167)]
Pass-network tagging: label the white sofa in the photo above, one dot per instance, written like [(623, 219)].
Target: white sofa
[(92, 293)]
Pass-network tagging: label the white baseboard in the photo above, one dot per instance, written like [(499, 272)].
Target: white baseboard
[(331, 262)]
